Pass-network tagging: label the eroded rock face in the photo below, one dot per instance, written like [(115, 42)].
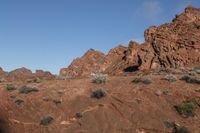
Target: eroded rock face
[(43, 74), (176, 44), (2, 72), (171, 45), (94, 62), (20, 74)]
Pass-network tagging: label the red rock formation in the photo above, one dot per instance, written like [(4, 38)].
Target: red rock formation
[(2, 72), (43, 74), (171, 45), (20, 74), (92, 61)]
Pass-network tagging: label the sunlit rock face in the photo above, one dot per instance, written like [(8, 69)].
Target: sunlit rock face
[(171, 45)]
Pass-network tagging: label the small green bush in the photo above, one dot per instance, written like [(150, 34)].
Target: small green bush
[(99, 93), (99, 78), (10, 87), (46, 121), (139, 80), (57, 101), (197, 69), (197, 90), (181, 130), (26, 90), (146, 81), (170, 78), (186, 109), (34, 80), (19, 101), (190, 79), (79, 115)]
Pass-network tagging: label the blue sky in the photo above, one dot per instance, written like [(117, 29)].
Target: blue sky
[(49, 34)]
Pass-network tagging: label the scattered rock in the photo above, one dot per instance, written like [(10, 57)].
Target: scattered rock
[(197, 90), (158, 92), (45, 98), (169, 124), (60, 92)]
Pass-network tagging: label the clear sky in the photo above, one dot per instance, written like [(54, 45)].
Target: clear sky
[(49, 34)]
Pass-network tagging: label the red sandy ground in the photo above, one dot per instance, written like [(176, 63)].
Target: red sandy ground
[(127, 108)]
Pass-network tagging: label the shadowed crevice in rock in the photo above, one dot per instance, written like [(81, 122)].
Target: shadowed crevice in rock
[(4, 126), (134, 67)]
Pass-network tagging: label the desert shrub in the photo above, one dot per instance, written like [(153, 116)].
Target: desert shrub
[(10, 87), (19, 101), (197, 90), (170, 77), (169, 124), (2, 80), (194, 99), (34, 80), (57, 101), (186, 109), (136, 80), (197, 69), (181, 130), (79, 115), (99, 93), (190, 79), (139, 80), (99, 78), (45, 98), (46, 120), (26, 90), (146, 81), (59, 77)]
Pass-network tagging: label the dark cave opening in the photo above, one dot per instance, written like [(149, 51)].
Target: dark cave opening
[(134, 67)]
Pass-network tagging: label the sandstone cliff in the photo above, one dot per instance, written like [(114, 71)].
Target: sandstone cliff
[(171, 45)]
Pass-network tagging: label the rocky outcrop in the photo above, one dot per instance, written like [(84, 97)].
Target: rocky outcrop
[(175, 44), (93, 62), (22, 74), (171, 45), (44, 74), (2, 72)]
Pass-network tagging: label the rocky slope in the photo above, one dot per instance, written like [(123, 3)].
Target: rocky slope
[(23, 74), (126, 108), (171, 45)]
